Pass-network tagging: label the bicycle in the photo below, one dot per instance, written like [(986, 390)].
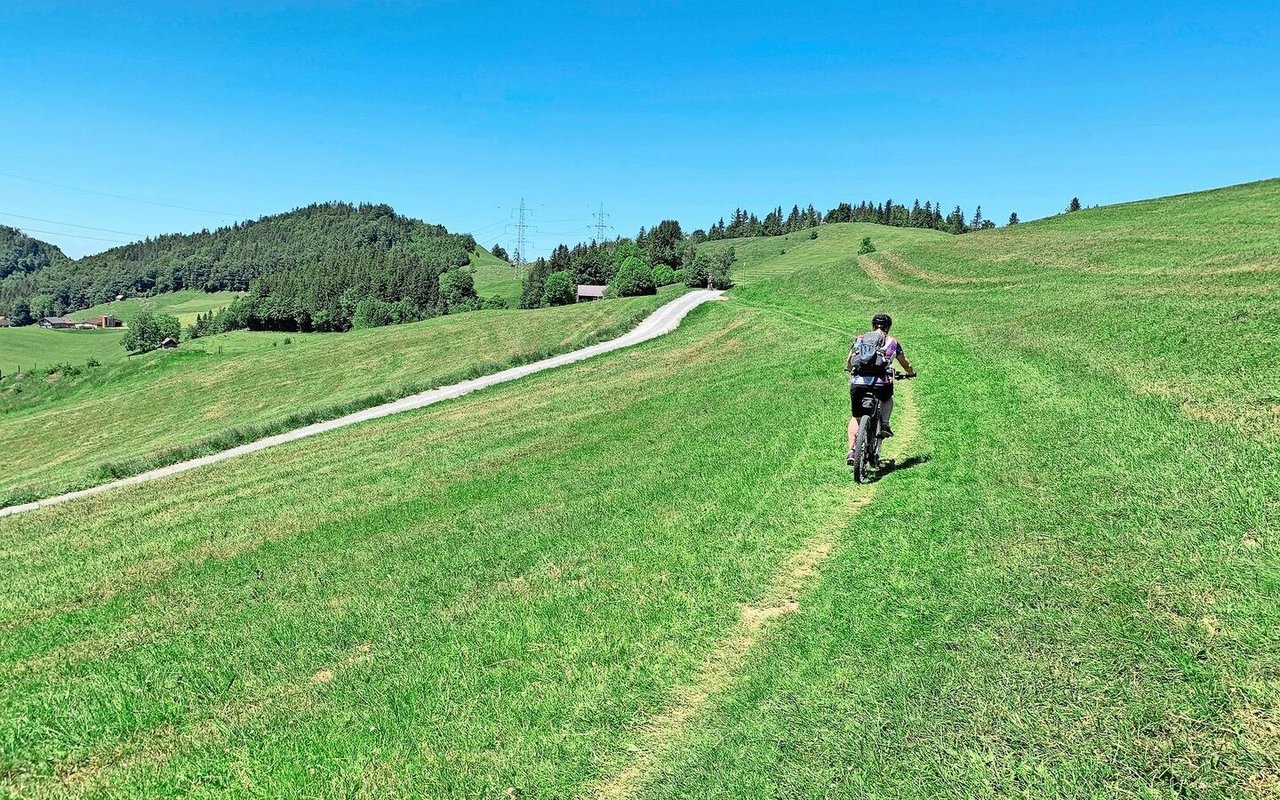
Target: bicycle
[(866, 447)]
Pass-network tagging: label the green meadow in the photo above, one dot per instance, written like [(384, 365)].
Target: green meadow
[(31, 347), (186, 305), (649, 574), (65, 432), (493, 276)]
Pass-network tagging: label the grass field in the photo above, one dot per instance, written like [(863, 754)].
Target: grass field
[(30, 347), (493, 276), (223, 390), (186, 305), (649, 574)]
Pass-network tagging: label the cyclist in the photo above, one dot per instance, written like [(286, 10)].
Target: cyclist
[(870, 368)]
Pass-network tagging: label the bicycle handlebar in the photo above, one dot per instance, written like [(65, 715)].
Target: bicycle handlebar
[(904, 376)]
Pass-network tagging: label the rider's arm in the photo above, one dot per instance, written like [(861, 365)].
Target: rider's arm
[(848, 361), (906, 365)]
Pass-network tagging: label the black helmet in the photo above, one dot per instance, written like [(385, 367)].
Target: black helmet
[(882, 321)]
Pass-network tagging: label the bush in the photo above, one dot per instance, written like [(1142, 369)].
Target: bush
[(494, 302), (559, 289), (716, 267), (457, 287), (866, 247), (681, 275), (148, 329), (634, 277), (374, 313), (93, 362), (664, 275), (813, 234)]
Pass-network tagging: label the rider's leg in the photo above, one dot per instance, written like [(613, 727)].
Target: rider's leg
[(853, 431), (886, 409)]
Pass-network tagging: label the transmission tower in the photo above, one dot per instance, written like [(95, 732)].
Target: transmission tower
[(522, 228), (600, 223)]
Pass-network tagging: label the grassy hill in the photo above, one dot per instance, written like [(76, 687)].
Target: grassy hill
[(493, 276), (649, 574), (186, 305), (215, 392)]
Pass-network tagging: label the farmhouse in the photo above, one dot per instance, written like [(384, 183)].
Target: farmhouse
[(104, 321), (588, 292), (57, 322)]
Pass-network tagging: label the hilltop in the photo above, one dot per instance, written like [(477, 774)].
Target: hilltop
[(305, 269), (649, 575)]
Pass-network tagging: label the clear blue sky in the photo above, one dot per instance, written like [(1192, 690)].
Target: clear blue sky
[(454, 111)]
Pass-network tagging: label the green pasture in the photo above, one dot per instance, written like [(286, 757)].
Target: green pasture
[(215, 392), (493, 276), (32, 347), (649, 575), (186, 305)]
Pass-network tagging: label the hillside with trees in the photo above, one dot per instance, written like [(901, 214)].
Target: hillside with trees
[(21, 257), (308, 269)]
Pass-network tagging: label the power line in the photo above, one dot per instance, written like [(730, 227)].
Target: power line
[(125, 197), (74, 235), (69, 224)]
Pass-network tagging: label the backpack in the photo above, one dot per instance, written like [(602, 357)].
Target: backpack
[(869, 357)]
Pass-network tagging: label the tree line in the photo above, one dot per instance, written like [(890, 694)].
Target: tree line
[(656, 257), (776, 222), (327, 267)]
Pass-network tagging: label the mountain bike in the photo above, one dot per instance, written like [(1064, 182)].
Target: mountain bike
[(866, 447)]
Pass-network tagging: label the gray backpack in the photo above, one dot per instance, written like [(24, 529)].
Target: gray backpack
[(869, 356)]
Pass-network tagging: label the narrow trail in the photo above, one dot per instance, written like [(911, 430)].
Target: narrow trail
[(660, 322), (723, 665)]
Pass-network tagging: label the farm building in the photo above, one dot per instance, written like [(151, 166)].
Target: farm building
[(169, 343), (57, 322), (5, 322), (104, 321), (588, 292)]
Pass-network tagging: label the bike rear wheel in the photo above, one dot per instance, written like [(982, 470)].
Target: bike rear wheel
[(863, 446)]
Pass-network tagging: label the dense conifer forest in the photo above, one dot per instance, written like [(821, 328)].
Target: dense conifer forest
[(308, 269)]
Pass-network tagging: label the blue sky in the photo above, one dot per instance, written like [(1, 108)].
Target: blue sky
[(454, 111)]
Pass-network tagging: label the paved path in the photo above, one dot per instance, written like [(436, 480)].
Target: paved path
[(664, 320)]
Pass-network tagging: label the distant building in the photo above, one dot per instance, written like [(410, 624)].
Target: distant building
[(169, 343), (588, 292), (86, 326), (57, 322), (104, 321), (5, 322)]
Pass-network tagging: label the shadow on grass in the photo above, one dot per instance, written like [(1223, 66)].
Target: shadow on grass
[(889, 466), (911, 461)]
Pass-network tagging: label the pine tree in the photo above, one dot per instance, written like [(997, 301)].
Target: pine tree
[(1013, 218), (1074, 206)]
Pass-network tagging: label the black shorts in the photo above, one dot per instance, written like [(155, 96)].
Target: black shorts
[(860, 397)]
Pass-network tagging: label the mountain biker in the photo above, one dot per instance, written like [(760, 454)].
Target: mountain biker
[(870, 368)]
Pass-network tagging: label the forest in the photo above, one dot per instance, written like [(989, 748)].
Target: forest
[(307, 269)]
